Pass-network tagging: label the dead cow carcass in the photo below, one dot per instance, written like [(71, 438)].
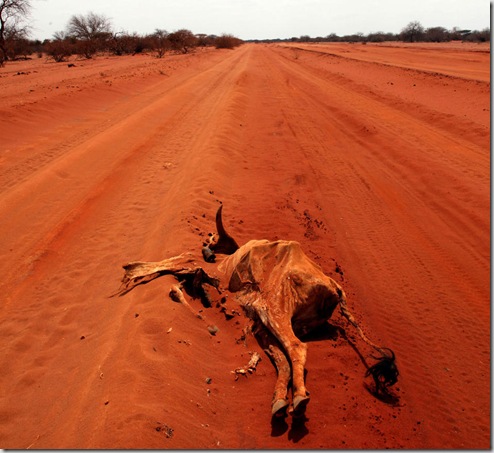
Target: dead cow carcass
[(286, 295)]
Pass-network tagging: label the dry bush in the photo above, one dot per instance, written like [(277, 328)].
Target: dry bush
[(59, 49), (160, 42), (183, 40), (227, 41)]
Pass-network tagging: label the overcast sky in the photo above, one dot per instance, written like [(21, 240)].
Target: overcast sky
[(264, 19)]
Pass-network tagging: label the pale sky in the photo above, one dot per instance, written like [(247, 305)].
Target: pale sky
[(264, 19)]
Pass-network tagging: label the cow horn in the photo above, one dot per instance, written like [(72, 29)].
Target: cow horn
[(225, 244)]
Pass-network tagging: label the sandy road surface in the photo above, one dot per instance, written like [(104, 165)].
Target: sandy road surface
[(380, 170), (463, 60)]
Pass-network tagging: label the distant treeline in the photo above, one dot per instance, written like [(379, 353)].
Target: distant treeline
[(90, 34), (413, 32), (62, 46)]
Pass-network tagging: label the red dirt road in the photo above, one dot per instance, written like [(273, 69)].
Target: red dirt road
[(378, 165)]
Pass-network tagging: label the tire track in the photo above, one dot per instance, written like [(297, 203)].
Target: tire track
[(55, 195), (395, 57)]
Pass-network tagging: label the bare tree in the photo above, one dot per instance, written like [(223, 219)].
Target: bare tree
[(92, 31), (412, 32), (160, 42), (12, 14), (88, 27)]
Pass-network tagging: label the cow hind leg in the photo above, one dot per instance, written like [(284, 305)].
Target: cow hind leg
[(273, 349), (297, 352)]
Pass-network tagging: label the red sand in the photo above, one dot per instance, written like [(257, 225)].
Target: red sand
[(373, 157)]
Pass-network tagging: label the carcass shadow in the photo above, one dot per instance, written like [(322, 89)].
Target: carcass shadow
[(297, 431), (326, 331)]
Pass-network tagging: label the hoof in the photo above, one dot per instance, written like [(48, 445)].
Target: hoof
[(278, 409), (299, 404)]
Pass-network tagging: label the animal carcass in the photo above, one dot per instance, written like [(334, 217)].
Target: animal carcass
[(284, 292)]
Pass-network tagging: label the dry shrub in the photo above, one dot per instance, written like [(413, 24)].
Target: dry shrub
[(59, 49), (226, 41)]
